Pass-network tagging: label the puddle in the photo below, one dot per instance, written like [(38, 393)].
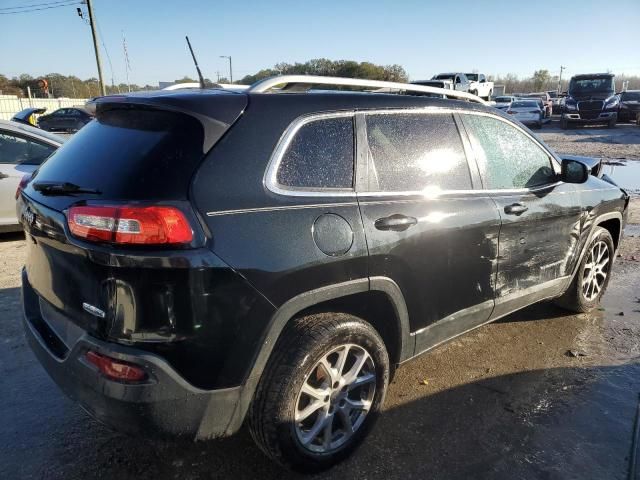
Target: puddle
[(625, 173)]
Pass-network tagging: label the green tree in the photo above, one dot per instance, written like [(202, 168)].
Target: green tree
[(540, 79)]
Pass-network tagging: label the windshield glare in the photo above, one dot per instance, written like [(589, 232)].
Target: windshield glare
[(602, 84)]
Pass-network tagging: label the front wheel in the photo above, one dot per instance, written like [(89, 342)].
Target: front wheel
[(592, 278), (612, 123), (321, 391), (564, 124)]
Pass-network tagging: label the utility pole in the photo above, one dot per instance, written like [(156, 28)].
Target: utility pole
[(560, 78), (230, 68), (94, 33)]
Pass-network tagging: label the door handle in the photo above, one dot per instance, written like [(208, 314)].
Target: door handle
[(3, 175), (396, 222), (515, 209)]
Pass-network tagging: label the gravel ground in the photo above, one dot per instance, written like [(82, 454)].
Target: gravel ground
[(622, 142), (503, 402)]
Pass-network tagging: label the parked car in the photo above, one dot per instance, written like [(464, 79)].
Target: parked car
[(591, 98), (65, 120), (478, 85), (22, 149), (459, 80), (196, 259), (28, 116), (547, 104), (629, 105), (528, 112), (503, 101), (556, 101)]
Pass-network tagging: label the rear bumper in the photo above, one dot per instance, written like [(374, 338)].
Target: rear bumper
[(164, 404)]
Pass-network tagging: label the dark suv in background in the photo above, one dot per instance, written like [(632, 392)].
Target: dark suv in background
[(198, 258), (591, 98), (629, 106)]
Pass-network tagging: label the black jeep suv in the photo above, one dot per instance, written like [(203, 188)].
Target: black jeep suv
[(198, 258), (591, 98)]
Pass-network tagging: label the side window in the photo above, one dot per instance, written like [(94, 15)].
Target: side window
[(507, 158), (416, 151), (320, 155), (18, 150)]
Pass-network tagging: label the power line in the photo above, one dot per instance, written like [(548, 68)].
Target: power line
[(20, 7), (42, 8)]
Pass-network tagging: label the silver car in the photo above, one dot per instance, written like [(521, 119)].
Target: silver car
[(22, 150)]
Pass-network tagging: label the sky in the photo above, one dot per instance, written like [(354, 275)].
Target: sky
[(425, 37)]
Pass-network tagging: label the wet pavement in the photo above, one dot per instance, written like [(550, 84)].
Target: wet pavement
[(506, 401)]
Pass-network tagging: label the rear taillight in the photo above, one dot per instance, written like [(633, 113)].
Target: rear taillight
[(115, 369), (23, 183), (157, 225)]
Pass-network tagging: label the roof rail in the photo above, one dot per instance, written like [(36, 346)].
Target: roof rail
[(267, 84)]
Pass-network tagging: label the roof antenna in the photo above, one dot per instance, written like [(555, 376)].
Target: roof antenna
[(196, 62)]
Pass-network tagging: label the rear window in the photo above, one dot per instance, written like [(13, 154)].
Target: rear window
[(131, 154), (524, 105)]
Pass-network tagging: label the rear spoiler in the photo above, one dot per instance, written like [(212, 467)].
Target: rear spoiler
[(216, 110)]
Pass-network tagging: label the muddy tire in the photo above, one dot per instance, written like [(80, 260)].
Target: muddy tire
[(321, 391), (593, 275)]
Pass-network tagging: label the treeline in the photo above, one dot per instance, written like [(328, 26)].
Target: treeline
[(332, 68), (74, 87), (59, 86), (542, 80)]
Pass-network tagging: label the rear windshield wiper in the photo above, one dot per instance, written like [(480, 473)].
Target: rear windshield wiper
[(62, 188)]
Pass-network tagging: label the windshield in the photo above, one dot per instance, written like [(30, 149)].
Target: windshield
[(445, 76), (630, 96), (503, 99), (588, 85), (524, 105), (472, 76)]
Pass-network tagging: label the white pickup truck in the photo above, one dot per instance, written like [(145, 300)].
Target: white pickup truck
[(478, 85)]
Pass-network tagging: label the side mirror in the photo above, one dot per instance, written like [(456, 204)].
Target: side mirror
[(574, 171)]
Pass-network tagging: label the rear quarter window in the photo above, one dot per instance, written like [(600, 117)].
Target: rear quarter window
[(319, 156)]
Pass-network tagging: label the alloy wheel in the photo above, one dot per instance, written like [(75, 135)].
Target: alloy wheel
[(335, 398), (596, 270)]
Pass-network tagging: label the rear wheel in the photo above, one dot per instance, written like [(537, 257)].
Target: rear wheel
[(321, 391), (592, 278)]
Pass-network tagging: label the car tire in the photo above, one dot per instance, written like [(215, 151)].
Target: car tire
[(279, 418), (587, 287), (563, 123), (612, 123)]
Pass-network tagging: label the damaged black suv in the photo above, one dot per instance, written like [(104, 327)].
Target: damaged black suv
[(198, 259)]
